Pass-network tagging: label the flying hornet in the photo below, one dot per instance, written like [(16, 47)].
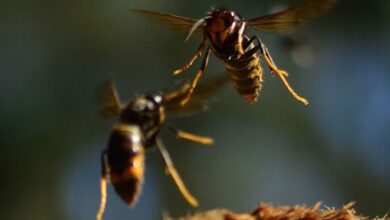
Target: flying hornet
[(140, 121), (226, 32)]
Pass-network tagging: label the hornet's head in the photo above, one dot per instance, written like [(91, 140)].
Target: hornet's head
[(217, 21), (221, 20), (145, 111)]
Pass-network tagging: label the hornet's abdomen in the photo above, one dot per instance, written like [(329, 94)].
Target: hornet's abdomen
[(125, 155), (247, 76)]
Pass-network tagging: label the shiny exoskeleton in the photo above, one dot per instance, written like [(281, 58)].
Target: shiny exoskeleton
[(243, 64), (140, 121), (135, 132), (225, 30)]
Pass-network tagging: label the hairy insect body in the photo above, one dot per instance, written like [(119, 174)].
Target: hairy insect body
[(245, 69), (140, 121), (226, 32), (246, 74)]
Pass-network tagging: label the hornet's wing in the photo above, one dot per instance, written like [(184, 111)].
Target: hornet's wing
[(112, 105), (199, 99), (177, 22), (292, 17)]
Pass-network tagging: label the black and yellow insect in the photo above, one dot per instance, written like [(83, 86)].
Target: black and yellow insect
[(225, 30), (140, 121)]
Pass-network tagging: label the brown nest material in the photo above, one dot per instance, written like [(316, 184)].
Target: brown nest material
[(269, 212)]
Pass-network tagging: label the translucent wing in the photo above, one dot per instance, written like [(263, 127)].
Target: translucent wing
[(112, 105), (292, 17), (177, 22), (199, 99)]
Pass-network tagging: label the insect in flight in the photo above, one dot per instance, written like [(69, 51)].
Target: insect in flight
[(140, 121), (225, 30)]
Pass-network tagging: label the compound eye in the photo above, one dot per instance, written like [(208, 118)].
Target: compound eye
[(228, 21), (228, 18)]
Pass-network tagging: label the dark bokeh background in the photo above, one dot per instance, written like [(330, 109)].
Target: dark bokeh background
[(54, 54)]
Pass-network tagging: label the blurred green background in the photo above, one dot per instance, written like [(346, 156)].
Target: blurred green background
[(53, 56)]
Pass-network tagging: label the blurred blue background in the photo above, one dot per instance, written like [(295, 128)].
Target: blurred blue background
[(54, 55)]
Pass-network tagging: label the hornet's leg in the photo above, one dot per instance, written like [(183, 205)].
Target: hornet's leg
[(197, 77), (281, 73), (197, 54), (264, 52), (175, 175), (103, 186), (247, 44), (191, 137), (239, 40), (179, 93)]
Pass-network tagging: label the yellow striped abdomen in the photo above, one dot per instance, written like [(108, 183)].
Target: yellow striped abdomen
[(126, 161), (247, 76)]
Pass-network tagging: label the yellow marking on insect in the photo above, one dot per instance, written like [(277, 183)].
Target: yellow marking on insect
[(127, 128), (137, 169)]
